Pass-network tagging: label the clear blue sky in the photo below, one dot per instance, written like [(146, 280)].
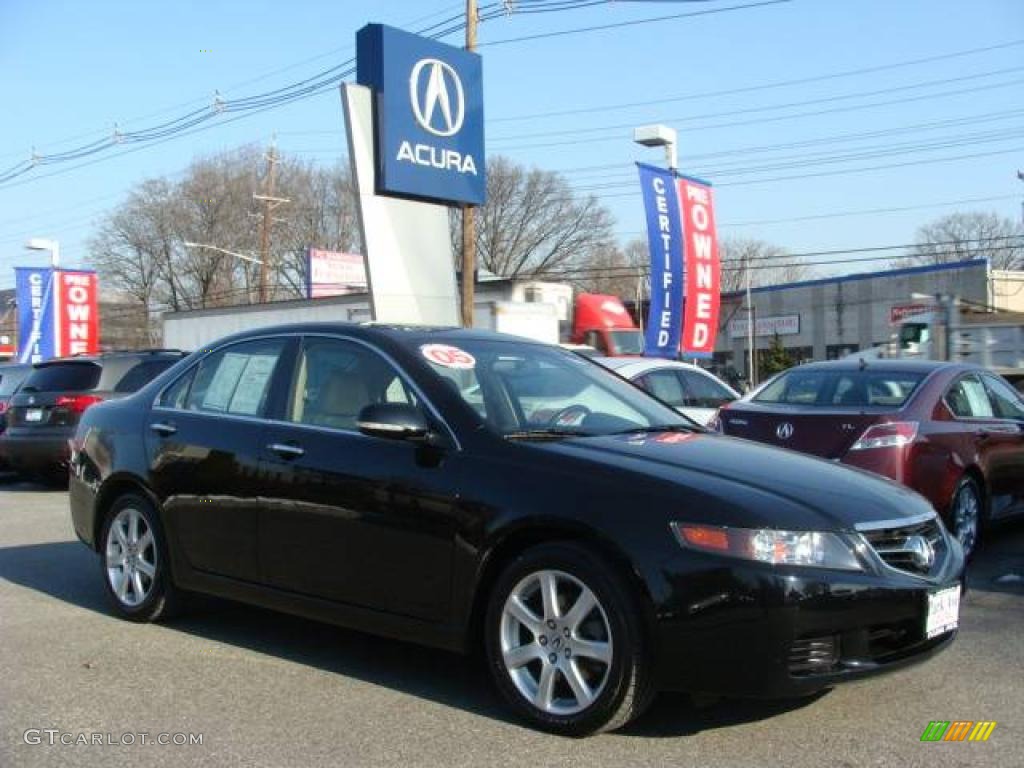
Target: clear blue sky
[(73, 70)]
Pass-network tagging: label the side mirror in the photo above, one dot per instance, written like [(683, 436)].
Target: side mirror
[(397, 421)]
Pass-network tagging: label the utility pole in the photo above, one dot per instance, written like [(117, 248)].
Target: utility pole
[(469, 212), (751, 334), (269, 204)]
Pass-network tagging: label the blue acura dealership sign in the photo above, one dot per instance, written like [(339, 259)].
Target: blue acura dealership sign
[(429, 115)]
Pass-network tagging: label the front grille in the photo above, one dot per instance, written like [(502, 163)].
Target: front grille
[(814, 655), (919, 548)]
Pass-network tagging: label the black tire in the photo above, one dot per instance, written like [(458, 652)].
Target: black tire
[(965, 529), (162, 599), (625, 684)]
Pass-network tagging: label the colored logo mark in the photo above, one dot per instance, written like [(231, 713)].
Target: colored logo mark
[(958, 730)]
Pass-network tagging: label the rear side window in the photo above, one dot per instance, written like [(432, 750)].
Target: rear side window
[(703, 391), (967, 399), (843, 389), (10, 379), (665, 386), (237, 379), (1008, 403), (63, 377), (143, 373)]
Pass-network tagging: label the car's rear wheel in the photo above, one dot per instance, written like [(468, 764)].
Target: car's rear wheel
[(133, 560), (565, 644), (967, 515)]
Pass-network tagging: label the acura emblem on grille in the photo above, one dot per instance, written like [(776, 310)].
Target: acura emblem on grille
[(921, 550), (784, 431)]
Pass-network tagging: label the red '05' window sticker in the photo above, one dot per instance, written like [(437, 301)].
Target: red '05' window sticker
[(448, 356)]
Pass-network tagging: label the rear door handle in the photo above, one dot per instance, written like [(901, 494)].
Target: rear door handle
[(162, 428), (287, 450)]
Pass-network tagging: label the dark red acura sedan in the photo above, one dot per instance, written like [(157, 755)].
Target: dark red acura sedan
[(952, 432)]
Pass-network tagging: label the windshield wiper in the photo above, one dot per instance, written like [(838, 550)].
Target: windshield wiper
[(545, 434), (660, 428)]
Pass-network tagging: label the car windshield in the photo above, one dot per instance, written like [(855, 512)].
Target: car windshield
[(522, 390), (841, 388), (627, 342)]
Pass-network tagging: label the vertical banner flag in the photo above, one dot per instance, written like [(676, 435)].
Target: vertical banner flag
[(33, 293), (665, 241), (58, 313), (702, 268), (684, 262), (78, 322)]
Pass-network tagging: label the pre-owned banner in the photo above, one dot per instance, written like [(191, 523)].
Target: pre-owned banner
[(37, 340), (78, 322), (665, 242), (702, 268), (58, 313), (683, 247)]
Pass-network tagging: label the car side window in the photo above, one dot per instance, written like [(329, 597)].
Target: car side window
[(1008, 403), (703, 391), (336, 379), (237, 379), (967, 399), (174, 396), (665, 386)]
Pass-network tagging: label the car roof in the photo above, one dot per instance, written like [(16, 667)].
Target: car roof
[(894, 364), (645, 363), (405, 334), (128, 354)]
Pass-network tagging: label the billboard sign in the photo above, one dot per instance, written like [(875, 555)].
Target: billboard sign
[(428, 115), (58, 313), (333, 273), (900, 312), (779, 325), (683, 247)]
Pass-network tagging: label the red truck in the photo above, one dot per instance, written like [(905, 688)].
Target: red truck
[(602, 322)]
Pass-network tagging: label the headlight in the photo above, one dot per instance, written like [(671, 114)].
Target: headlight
[(807, 548)]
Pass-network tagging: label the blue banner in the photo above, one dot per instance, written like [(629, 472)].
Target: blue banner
[(37, 337), (665, 242)]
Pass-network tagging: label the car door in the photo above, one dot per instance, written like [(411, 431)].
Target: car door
[(978, 434), (351, 518), (203, 437), (1007, 460)]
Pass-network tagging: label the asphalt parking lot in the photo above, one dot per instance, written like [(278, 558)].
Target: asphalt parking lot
[(265, 689)]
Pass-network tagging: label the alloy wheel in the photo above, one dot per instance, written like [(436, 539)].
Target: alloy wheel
[(130, 557), (556, 642), (966, 517)]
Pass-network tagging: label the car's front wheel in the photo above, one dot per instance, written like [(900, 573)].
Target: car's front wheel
[(133, 561), (966, 515), (565, 643)]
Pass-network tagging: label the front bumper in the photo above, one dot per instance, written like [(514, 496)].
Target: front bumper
[(29, 452), (746, 629)]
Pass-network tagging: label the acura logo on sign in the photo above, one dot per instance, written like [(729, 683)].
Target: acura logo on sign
[(438, 101), (784, 431)]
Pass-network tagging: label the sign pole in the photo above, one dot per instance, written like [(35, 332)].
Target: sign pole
[(469, 212)]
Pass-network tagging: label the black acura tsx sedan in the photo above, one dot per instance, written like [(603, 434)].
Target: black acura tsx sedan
[(470, 490)]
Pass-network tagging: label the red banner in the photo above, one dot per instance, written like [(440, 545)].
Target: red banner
[(702, 268), (78, 322)]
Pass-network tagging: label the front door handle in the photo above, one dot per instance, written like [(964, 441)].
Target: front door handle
[(162, 428), (286, 450)]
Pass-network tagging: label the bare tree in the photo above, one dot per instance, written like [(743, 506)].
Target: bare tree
[(140, 249), (971, 235), (614, 270), (533, 223), (767, 264)]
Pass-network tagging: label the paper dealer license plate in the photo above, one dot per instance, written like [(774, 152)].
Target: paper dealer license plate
[(943, 611)]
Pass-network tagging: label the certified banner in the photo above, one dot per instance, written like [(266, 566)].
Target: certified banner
[(34, 288), (665, 242), (58, 313), (702, 268)]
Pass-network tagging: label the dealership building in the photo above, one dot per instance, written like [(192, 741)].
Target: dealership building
[(832, 317)]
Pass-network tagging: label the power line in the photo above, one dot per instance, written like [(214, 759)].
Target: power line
[(762, 86)]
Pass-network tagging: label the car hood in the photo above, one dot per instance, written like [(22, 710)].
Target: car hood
[(739, 482)]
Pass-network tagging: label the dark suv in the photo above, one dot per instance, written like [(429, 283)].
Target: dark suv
[(42, 416), (11, 376)]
